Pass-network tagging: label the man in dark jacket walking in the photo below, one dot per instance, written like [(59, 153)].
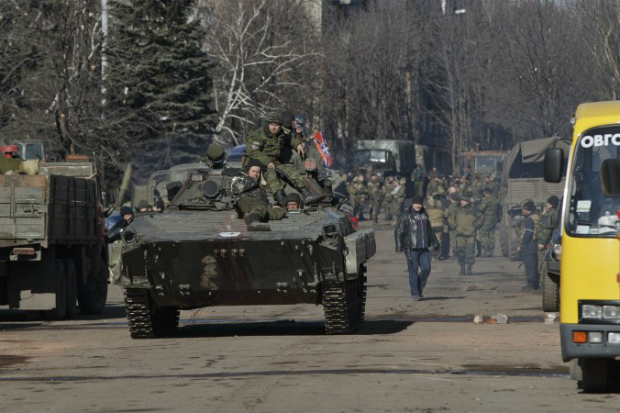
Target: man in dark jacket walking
[(413, 235)]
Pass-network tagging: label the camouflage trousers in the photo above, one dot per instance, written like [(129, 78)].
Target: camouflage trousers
[(250, 204), (541, 264), (486, 236), (289, 171), (375, 207), (397, 205), (419, 188), (389, 209), (466, 249)]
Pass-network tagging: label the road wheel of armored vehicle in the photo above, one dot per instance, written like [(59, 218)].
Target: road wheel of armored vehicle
[(344, 304), (58, 313), (503, 240), (93, 302), (71, 289), (550, 294), (146, 319), (594, 375)]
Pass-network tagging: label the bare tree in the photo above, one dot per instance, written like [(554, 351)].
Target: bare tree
[(600, 30), (266, 60), (535, 79)]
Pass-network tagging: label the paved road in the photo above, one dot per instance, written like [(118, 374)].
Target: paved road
[(409, 356)]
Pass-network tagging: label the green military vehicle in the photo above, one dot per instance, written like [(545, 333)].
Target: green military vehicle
[(522, 178), (52, 243), (199, 253)]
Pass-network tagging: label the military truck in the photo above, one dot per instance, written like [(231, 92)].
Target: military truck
[(200, 253), (522, 178), (386, 157), (52, 245), (481, 163)]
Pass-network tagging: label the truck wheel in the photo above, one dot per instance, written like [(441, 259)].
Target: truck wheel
[(503, 240), (594, 375), (550, 294), (58, 313), (93, 302), (71, 289)]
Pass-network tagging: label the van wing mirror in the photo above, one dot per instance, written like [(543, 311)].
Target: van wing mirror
[(554, 165), (610, 177)]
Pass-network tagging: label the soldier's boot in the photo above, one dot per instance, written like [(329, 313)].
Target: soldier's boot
[(482, 252), (469, 270), (251, 217), (462, 272), (309, 197), (279, 197), (253, 221)]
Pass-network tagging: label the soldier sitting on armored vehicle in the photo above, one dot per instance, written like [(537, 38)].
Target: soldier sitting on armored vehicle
[(252, 202), (266, 145)]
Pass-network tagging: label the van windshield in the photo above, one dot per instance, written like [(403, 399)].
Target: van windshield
[(590, 212)]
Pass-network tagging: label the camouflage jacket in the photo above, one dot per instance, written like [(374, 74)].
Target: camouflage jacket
[(547, 223), (465, 220), (266, 147)]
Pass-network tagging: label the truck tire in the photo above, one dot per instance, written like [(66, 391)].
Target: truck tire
[(93, 302), (58, 313), (594, 375), (503, 240), (71, 289), (550, 294)]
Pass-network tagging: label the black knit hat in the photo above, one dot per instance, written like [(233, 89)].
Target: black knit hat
[(417, 199), (287, 118), (126, 210), (254, 162), (553, 200), (529, 206)]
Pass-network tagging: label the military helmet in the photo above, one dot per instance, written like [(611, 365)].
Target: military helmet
[(215, 152), (274, 117)]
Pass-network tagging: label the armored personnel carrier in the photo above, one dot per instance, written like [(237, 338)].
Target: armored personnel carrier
[(199, 253)]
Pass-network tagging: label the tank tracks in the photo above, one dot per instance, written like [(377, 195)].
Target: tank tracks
[(344, 304), (146, 319)]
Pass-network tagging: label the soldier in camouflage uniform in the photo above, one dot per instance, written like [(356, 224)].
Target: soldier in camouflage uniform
[(528, 246), (399, 196), (435, 210), (547, 223), (361, 194), (252, 202), (388, 197), (266, 145), (376, 197), (448, 216), (465, 221), (486, 234)]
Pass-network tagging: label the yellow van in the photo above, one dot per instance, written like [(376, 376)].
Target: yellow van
[(590, 252)]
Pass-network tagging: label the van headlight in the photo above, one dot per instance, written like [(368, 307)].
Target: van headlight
[(556, 252), (600, 312)]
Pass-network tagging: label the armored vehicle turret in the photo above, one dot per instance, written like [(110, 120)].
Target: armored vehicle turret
[(199, 253)]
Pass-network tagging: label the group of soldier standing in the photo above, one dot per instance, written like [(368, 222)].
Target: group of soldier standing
[(463, 213)]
